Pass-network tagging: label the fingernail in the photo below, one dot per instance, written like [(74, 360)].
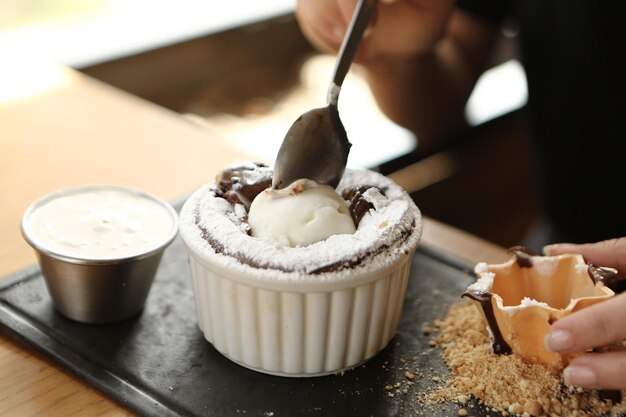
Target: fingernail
[(558, 340), (387, 1), (580, 376), (547, 250)]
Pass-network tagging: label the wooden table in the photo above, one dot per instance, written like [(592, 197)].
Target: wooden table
[(59, 128)]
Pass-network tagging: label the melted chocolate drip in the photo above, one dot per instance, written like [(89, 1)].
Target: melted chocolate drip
[(499, 346), (523, 256), (242, 184), (607, 276), (359, 206)]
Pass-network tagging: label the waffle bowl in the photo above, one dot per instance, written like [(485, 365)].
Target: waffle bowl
[(521, 298)]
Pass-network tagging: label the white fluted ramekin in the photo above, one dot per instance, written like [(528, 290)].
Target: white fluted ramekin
[(296, 323), (298, 330)]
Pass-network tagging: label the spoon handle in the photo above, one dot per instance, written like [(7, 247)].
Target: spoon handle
[(362, 14)]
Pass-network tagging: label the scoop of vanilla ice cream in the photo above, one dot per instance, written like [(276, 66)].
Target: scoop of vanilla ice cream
[(301, 214)]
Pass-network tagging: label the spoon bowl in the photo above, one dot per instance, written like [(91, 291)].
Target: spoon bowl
[(316, 146)]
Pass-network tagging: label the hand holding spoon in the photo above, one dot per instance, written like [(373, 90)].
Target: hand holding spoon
[(316, 146)]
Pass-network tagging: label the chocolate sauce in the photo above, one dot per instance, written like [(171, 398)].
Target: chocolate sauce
[(552, 319), (351, 192), (242, 184), (359, 206), (607, 276), (499, 346), (523, 256)]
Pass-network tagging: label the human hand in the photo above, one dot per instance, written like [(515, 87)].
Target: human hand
[(599, 325), (399, 27)]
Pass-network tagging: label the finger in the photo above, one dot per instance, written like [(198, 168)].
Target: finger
[(597, 371), (598, 325), (322, 23), (347, 9), (611, 253)]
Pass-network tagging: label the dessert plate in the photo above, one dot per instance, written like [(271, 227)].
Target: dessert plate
[(159, 364)]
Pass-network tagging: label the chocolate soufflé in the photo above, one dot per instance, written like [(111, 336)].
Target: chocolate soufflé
[(303, 310)]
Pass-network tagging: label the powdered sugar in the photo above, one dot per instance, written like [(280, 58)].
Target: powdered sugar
[(216, 229), (484, 283)]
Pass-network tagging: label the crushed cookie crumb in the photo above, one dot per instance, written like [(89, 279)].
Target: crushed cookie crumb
[(534, 408), (505, 384)]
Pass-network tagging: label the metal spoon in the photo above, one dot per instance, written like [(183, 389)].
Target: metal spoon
[(316, 146)]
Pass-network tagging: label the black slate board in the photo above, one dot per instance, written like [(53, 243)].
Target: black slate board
[(159, 364)]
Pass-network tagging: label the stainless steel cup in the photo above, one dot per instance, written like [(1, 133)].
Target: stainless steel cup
[(98, 290)]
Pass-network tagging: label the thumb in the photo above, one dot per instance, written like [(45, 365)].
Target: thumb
[(611, 253)]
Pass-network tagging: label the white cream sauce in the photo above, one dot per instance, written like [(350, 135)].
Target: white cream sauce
[(100, 224)]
